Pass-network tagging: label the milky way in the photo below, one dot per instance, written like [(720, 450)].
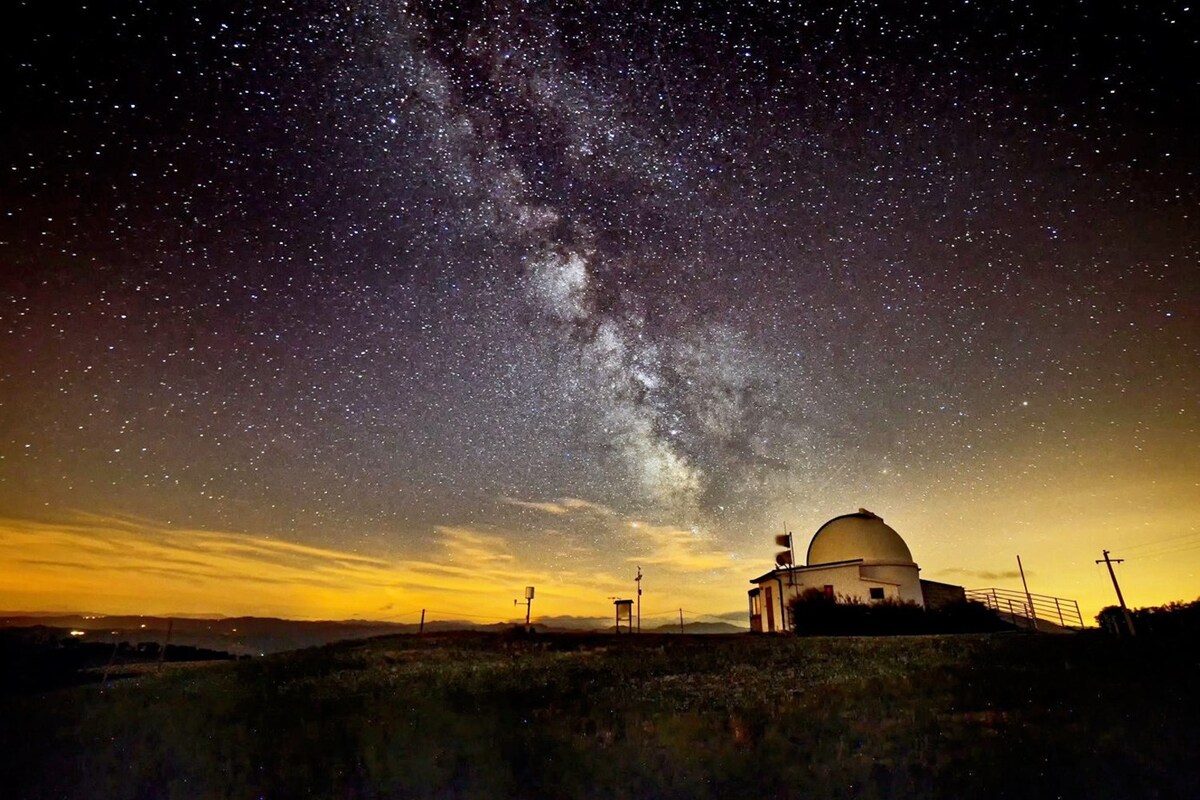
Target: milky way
[(347, 272)]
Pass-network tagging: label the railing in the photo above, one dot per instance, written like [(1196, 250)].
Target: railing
[(1029, 610)]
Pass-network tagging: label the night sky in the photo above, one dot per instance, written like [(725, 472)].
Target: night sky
[(349, 309)]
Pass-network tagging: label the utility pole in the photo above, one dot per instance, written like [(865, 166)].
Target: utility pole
[(1120, 598), (681, 620), (1028, 596), (639, 599), (421, 630)]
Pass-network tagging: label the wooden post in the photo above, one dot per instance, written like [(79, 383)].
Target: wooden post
[(681, 620), (421, 630), (166, 644), (1028, 596), (112, 657)]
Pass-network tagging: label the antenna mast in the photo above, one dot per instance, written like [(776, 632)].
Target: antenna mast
[(639, 599)]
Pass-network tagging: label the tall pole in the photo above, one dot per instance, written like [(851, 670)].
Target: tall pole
[(528, 605), (681, 620), (639, 599), (791, 540), (1028, 596), (421, 629), (1120, 598)]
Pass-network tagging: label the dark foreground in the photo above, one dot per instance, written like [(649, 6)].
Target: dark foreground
[(649, 716)]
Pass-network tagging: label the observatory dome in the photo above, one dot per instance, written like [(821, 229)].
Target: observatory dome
[(853, 536)]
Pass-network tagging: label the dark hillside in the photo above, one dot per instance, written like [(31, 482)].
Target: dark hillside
[(656, 715)]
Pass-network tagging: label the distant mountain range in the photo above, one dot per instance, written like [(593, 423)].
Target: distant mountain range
[(263, 635)]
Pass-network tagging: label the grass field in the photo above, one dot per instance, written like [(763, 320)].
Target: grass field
[(598, 716)]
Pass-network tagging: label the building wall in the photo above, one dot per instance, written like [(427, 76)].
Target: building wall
[(905, 577), (899, 582), (844, 579), (939, 595)]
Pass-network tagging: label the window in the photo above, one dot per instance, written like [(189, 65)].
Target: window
[(876, 592)]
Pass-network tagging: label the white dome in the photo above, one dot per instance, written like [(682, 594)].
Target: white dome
[(853, 536)]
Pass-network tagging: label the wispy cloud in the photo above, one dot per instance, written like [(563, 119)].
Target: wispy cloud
[(469, 546), (563, 505), (123, 564), (984, 574), (679, 549)]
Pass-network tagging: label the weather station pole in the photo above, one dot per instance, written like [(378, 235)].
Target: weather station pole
[(639, 599), (528, 603)]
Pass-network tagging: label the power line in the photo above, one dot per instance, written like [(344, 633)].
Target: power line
[(706, 616), (1140, 545), (464, 614), (1169, 551)]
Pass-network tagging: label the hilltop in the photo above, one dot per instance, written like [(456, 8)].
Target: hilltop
[(258, 636), (592, 715)]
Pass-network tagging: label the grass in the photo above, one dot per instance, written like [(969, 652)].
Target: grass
[(631, 717)]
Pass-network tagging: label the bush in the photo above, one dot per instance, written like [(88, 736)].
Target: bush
[(1172, 619), (816, 614)]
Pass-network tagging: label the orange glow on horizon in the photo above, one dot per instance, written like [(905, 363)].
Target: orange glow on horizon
[(118, 565)]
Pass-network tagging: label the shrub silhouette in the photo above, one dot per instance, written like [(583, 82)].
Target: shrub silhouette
[(1172, 619), (815, 613)]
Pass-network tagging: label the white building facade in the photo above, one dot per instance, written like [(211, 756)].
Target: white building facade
[(854, 556)]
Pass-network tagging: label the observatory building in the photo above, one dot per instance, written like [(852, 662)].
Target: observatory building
[(852, 556)]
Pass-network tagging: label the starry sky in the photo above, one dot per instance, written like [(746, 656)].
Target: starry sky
[(348, 309)]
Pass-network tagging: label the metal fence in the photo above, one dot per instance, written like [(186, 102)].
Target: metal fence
[(1029, 610)]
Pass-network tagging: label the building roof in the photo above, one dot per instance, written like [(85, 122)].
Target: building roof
[(857, 536)]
